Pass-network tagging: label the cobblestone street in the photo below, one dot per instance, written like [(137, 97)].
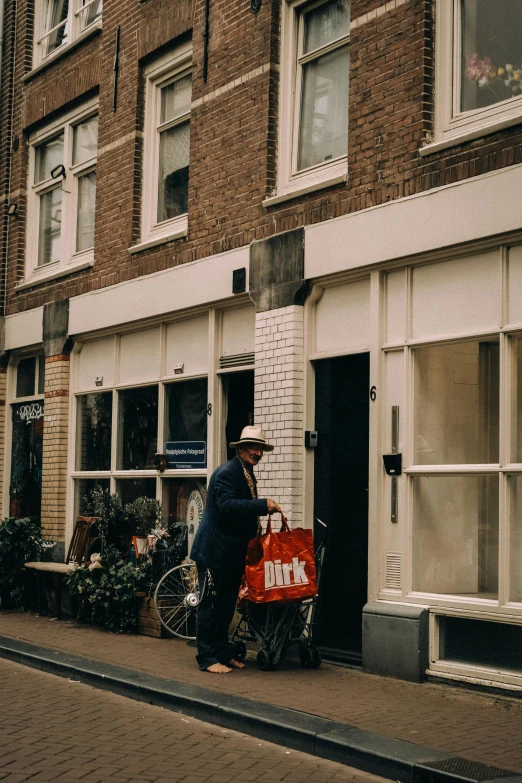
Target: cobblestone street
[(62, 731)]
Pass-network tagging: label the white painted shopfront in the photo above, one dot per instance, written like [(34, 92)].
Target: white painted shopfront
[(426, 323)]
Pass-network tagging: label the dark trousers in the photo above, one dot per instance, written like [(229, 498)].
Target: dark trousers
[(214, 615)]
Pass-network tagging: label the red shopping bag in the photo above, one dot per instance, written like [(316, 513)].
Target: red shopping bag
[(281, 566)]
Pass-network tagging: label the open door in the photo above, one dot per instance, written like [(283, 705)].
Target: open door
[(341, 501)]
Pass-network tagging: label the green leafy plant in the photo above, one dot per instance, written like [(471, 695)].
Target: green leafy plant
[(20, 542), (108, 508), (107, 594), (145, 513)]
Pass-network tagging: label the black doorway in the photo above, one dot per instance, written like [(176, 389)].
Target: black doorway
[(238, 391), (26, 460), (341, 501)]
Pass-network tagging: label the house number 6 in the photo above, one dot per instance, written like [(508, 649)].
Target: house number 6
[(373, 393)]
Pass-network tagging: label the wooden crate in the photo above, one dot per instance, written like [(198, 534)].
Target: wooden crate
[(149, 623)]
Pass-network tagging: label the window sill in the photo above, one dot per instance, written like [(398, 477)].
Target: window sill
[(468, 135), (303, 191), (62, 51), (157, 241), (54, 275)]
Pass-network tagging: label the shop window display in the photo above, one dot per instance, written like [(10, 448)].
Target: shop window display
[(131, 489), (184, 500), (456, 423), (138, 427), (187, 410), (94, 431), (456, 404), (455, 539)]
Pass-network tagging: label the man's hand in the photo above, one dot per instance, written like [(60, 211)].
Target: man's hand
[(273, 507)]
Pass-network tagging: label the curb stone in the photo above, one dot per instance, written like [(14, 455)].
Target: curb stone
[(391, 758)]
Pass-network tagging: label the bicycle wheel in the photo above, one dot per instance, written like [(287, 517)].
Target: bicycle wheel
[(176, 600)]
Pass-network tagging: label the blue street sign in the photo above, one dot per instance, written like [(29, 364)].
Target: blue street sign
[(186, 454)]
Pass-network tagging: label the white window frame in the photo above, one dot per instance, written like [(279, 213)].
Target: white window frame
[(75, 28), (451, 125), (291, 182), (158, 74), (70, 258)]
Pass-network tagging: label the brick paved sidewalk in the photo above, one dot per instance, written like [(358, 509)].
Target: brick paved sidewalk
[(480, 727)]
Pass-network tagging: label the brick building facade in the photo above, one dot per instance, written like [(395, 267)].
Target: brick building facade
[(358, 165)]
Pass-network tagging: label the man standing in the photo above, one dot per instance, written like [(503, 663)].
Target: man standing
[(219, 549)]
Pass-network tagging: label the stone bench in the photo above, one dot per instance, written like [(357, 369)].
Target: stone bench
[(78, 552)]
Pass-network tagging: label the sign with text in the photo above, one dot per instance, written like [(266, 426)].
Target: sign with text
[(186, 454)]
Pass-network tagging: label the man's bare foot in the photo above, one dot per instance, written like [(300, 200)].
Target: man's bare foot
[(236, 664), (218, 668)]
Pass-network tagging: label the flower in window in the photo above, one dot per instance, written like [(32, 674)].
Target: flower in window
[(494, 78)]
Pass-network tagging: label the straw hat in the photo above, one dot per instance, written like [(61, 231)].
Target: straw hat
[(252, 436)]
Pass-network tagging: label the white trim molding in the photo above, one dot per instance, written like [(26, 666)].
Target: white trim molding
[(61, 183), (422, 223), (291, 179), (188, 285), (159, 75)]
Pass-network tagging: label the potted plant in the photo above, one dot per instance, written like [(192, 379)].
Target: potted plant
[(20, 542)]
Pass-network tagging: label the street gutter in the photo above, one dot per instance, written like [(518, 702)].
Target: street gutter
[(391, 758)]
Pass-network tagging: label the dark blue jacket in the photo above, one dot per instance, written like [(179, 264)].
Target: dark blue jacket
[(229, 521)]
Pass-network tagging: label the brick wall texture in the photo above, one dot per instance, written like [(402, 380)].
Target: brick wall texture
[(278, 406), (54, 462), (233, 129)]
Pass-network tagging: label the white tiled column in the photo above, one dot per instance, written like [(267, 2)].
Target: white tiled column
[(279, 393)]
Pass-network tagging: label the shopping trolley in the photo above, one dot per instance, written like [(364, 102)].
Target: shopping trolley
[(276, 626)]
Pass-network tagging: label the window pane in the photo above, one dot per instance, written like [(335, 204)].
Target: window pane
[(173, 172), (94, 431), (41, 374), (82, 489), (515, 593), (326, 24), (130, 489), (175, 99), (55, 19), (517, 423), (455, 535), (187, 410), (491, 65), (49, 238), (139, 427), (91, 11), (85, 140), (86, 204), (456, 404), (323, 127), (26, 377), (48, 156), (26, 459), (184, 502)]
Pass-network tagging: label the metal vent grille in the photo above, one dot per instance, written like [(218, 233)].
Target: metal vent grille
[(393, 570), (236, 361), (464, 769)]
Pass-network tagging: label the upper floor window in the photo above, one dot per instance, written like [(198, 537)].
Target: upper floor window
[(167, 145), (479, 68), (62, 193), (59, 22), (314, 93)]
